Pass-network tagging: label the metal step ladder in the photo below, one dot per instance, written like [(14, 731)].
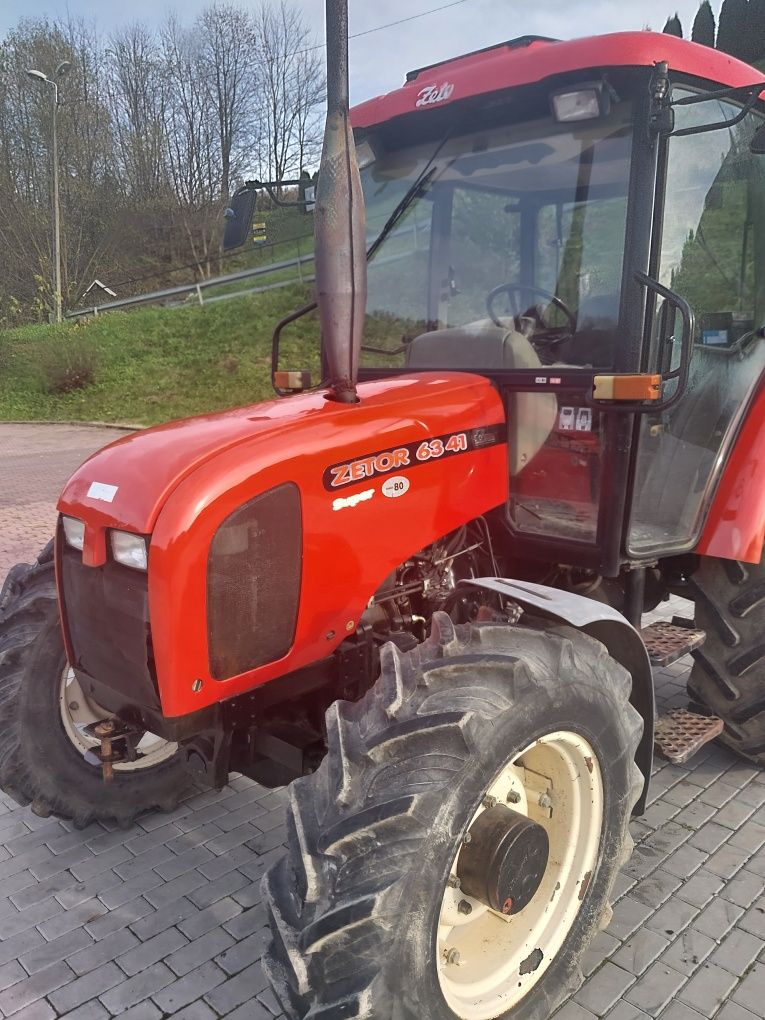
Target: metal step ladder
[(679, 733), (668, 642)]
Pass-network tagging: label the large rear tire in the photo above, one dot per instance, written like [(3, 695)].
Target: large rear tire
[(366, 918), (728, 675), (42, 738)]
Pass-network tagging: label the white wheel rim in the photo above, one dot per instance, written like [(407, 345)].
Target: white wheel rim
[(79, 711), (480, 954)]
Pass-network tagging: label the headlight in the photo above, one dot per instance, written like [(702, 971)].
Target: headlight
[(130, 550), (74, 532)]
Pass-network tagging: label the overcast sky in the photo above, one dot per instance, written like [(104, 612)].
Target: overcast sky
[(380, 60)]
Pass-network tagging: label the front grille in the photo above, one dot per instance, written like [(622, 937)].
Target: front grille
[(106, 610), (253, 583)]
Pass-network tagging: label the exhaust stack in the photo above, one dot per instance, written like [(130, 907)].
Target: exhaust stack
[(339, 222)]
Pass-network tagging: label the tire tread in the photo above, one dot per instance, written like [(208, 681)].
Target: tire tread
[(28, 606), (728, 675), (399, 746)]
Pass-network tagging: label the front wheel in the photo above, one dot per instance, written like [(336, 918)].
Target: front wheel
[(454, 854), (45, 747)]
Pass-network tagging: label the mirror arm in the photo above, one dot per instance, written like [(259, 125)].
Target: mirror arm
[(270, 188), (705, 97), (750, 92), (276, 340)]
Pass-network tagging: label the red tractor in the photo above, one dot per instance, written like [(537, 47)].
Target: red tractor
[(415, 592)]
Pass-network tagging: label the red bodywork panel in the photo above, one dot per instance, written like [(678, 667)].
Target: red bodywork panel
[(179, 482), (735, 525), (506, 67)]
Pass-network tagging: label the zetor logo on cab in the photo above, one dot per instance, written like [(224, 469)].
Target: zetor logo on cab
[(435, 94)]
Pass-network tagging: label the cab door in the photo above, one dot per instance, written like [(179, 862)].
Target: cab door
[(709, 249)]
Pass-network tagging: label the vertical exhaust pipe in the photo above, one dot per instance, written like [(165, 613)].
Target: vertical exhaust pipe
[(339, 222)]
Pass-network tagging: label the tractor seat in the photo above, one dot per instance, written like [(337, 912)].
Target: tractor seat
[(477, 346), (480, 347)]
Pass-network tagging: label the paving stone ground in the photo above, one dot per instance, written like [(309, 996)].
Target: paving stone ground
[(35, 461), (165, 919)]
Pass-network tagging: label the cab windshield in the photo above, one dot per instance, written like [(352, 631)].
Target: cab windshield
[(510, 253)]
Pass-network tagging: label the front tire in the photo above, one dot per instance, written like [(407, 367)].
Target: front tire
[(362, 923), (42, 713)]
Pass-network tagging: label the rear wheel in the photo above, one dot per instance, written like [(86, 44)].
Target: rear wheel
[(454, 854), (728, 675), (44, 746)]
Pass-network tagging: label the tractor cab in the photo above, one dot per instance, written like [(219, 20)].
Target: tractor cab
[(593, 242)]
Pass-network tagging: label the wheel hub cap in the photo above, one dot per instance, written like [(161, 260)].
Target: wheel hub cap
[(505, 860), (487, 960)]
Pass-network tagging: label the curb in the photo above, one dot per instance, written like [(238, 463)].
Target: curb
[(124, 426)]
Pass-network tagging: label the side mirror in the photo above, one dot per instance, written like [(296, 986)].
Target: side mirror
[(239, 218), (757, 144)]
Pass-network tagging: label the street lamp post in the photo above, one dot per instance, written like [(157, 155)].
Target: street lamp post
[(61, 70)]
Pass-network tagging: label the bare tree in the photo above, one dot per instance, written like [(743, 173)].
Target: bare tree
[(292, 89), (229, 71), (156, 127), (138, 95), (192, 149), (25, 162)]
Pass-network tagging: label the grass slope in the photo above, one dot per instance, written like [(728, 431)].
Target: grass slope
[(153, 364)]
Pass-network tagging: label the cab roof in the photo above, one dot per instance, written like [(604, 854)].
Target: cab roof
[(531, 59)]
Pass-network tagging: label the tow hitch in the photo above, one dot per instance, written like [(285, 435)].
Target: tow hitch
[(119, 743)]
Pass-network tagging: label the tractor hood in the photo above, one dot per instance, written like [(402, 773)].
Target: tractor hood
[(126, 484), (368, 485)]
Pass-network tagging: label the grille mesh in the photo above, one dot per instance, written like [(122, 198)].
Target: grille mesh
[(253, 583), (106, 613)]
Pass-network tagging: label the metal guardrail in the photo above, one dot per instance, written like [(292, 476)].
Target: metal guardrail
[(201, 286)]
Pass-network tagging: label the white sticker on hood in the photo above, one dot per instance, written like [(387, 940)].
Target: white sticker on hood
[(396, 486), (347, 502), (102, 491)]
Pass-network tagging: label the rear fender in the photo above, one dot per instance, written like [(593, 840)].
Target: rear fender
[(607, 625), (735, 525)]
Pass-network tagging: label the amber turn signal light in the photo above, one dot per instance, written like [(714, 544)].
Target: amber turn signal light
[(626, 387), (294, 381)]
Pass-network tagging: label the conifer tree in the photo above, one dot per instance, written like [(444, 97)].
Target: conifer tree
[(673, 26), (703, 30), (756, 30), (733, 29)]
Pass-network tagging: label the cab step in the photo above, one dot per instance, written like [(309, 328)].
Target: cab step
[(679, 734), (668, 642)]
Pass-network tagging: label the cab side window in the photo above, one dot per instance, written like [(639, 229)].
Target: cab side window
[(713, 244)]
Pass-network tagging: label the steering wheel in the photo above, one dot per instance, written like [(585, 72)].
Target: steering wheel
[(513, 291)]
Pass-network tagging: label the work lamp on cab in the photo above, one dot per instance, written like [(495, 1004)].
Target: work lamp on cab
[(365, 154), (130, 550), (74, 532), (585, 102)]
